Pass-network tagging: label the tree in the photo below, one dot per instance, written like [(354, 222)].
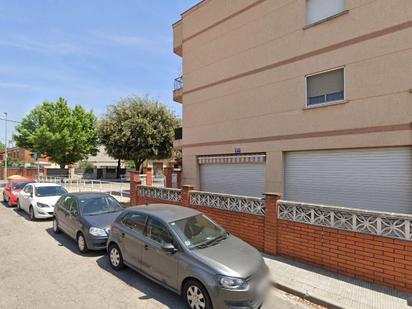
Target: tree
[(138, 129), (2, 147), (64, 134)]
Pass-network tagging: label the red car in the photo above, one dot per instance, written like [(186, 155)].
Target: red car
[(12, 189)]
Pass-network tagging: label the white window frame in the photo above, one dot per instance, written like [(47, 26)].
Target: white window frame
[(344, 100)]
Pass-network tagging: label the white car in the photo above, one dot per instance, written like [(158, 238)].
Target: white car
[(38, 199)]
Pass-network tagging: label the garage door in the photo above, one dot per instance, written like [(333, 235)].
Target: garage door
[(375, 179), (238, 175)]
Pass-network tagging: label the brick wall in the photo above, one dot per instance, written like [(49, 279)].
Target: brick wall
[(247, 227), (25, 172), (375, 259)]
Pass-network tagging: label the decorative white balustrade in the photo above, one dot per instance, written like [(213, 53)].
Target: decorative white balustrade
[(244, 204), (398, 226), (168, 194)]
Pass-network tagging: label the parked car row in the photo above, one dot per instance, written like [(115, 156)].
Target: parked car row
[(177, 247)]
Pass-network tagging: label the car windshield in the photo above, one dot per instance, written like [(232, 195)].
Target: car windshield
[(50, 191), (96, 205), (198, 231), (19, 185)]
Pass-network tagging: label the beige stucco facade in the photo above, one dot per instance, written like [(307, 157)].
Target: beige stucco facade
[(244, 68)]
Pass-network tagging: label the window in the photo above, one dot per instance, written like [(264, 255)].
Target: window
[(70, 205), (198, 230), (317, 10), (19, 185), (50, 191), (325, 87), (28, 189), (158, 232), (95, 205), (135, 221)]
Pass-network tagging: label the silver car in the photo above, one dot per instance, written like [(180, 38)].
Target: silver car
[(186, 252)]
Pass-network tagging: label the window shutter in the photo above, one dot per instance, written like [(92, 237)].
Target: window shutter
[(317, 10)]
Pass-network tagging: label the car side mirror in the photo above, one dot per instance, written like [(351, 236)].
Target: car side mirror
[(169, 248), (31, 194)]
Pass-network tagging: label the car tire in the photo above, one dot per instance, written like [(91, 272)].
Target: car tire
[(56, 229), (32, 214), (18, 205), (115, 257), (9, 204), (196, 296), (81, 243)]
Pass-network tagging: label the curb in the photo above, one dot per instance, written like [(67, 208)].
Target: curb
[(311, 298)]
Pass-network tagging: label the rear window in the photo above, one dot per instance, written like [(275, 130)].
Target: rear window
[(19, 185)]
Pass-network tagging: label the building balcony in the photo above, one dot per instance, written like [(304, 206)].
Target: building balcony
[(178, 142), (178, 38), (178, 90)]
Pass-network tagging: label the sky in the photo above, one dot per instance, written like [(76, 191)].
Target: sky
[(91, 52)]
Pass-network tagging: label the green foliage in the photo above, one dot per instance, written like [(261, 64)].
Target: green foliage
[(138, 129), (2, 147), (64, 134)]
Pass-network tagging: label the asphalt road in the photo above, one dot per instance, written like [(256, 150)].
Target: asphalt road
[(39, 269)]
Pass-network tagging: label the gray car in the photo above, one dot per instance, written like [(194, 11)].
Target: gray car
[(86, 217), (186, 252)]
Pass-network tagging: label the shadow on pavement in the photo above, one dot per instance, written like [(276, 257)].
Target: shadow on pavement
[(151, 289), (65, 241)]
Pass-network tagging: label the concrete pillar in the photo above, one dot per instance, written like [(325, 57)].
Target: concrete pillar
[(168, 171), (149, 175), (270, 223)]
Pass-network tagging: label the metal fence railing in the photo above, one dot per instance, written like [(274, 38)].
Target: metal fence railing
[(120, 189)]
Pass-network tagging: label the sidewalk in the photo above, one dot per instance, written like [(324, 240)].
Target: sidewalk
[(330, 289)]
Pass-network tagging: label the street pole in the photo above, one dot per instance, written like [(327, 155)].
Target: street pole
[(5, 147)]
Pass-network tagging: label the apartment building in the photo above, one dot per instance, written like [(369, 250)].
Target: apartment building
[(310, 98)]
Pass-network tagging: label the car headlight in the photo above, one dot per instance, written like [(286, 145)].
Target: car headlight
[(232, 282), (42, 205), (96, 231)]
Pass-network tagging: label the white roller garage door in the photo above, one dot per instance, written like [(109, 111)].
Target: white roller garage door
[(375, 179), (238, 175)]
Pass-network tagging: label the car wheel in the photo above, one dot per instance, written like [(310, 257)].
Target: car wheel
[(18, 205), (81, 243), (196, 296), (9, 204), (56, 229), (32, 214), (115, 257)]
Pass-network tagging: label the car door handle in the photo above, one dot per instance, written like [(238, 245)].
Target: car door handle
[(146, 247), (123, 235)]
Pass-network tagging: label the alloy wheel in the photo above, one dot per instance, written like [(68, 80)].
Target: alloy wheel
[(81, 243), (114, 257), (195, 298), (55, 226)]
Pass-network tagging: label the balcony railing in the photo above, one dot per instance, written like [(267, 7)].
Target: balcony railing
[(178, 83), (178, 133)]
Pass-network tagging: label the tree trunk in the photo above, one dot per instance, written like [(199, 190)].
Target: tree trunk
[(138, 164), (62, 166), (118, 169)]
